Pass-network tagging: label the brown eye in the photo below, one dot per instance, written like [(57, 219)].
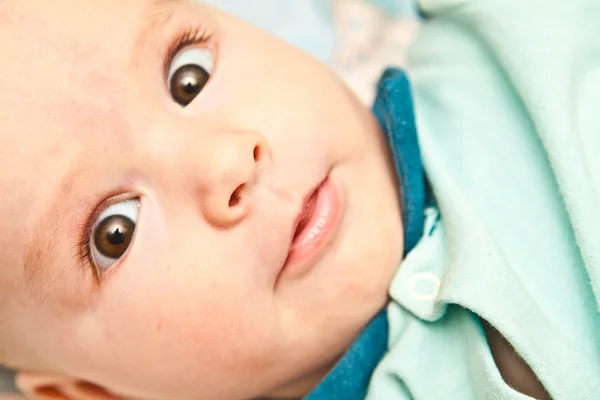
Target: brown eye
[(187, 83), (189, 73), (113, 234)]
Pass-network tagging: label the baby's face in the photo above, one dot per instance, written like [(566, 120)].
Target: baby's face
[(156, 158)]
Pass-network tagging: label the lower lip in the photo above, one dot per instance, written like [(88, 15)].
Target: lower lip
[(308, 246)]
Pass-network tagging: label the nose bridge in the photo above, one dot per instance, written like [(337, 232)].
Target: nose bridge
[(231, 158)]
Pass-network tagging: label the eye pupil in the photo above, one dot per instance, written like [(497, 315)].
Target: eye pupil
[(187, 82), (190, 88), (113, 236)]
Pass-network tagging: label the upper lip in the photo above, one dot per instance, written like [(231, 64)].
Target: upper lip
[(300, 213)]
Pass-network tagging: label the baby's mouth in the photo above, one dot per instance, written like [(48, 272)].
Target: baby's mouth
[(314, 227)]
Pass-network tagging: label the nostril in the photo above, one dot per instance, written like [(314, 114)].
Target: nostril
[(93, 391), (236, 196), (50, 393), (257, 153)]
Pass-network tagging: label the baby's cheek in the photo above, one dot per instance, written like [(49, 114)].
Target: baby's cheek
[(179, 315), (169, 328)]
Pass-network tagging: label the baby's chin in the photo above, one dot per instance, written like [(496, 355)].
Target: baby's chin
[(299, 387)]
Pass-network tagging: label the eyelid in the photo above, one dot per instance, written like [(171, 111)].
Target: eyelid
[(188, 37)]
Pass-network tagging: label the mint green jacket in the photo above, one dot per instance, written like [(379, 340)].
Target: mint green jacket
[(507, 100)]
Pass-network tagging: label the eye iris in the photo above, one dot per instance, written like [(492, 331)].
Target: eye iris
[(113, 236), (187, 82)]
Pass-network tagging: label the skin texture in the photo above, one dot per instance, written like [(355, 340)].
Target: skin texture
[(197, 307)]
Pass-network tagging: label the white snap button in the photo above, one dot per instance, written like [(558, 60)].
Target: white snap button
[(431, 212), (424, 286)]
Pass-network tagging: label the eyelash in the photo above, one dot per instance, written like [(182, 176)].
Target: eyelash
[(188, 37), (84, 252)]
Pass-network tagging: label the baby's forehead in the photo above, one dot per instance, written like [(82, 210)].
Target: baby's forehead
[(66, 59), (65, 34), (68, 34)]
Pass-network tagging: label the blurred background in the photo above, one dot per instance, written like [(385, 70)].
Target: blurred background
[(6, 381)]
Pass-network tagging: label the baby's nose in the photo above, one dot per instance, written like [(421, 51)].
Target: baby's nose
[(233, 169)]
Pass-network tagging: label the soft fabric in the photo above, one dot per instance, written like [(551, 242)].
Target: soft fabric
[(506, 95), (394, 111), (370, 35)]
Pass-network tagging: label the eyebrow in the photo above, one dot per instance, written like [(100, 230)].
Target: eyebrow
[(39, 251), (159, 13)]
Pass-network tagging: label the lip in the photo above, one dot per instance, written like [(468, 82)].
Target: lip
[(308, 246)]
